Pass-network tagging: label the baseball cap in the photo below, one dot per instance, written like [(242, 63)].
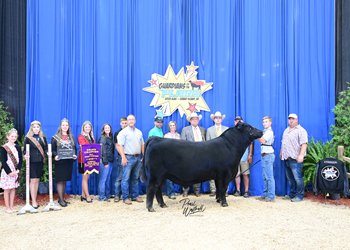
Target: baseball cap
[(239, 118), (158, 119), (293, 116)]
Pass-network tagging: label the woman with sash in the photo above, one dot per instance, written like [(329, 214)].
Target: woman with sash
[(86, 137), (107, 158), (172, 135), (63, 139), (11, 160), (37, 150)]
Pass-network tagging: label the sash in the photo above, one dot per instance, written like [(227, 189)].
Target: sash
[(90, 141), (37, 144), (14, 161)]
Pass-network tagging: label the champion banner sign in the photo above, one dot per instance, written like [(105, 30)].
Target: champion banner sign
[(91, 157)]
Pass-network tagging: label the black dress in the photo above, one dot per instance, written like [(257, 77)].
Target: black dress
[(64, 167), (36, 158)]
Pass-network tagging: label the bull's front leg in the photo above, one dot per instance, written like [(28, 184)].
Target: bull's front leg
[(223, 186), (217, 191)]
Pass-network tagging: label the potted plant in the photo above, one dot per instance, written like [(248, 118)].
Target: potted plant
[(44, 180)]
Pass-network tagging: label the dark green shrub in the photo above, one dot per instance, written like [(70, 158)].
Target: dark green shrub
[(341, 129)]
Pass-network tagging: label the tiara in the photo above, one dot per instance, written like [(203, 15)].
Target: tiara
[(13, 130), (64, 120), (35, 122)]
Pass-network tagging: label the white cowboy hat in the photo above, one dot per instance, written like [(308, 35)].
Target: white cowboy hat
[(193, 115), (218, 113)]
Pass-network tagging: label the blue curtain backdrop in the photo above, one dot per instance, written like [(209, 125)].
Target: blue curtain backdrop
[(89, 60)]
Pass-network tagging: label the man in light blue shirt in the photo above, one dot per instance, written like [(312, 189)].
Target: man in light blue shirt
[(131, 145), (267, 160)]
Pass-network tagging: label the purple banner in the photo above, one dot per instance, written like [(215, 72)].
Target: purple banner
[(91, 157)]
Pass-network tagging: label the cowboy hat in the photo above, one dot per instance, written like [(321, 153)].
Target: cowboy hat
[(193, 115), (217, 114)]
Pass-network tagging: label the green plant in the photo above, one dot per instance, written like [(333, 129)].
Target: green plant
[(316, 151), (6, 123), (341, 129), (45, 175)]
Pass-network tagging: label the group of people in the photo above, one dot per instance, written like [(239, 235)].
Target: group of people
[(129, 143)]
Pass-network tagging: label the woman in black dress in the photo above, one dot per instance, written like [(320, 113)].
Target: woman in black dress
[(63, 167), (37, 150)]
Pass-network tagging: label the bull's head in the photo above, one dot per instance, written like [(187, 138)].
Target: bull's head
[(254, 133)]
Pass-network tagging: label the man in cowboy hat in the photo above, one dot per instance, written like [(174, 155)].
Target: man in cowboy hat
[(212, 133), (193, 133)]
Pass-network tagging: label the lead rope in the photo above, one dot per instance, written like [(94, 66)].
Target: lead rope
[(248, 168)]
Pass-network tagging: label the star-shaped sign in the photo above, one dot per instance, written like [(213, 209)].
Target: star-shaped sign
[(153, 82), (192, 107), (175, 91), (191, 67), (160, 113)]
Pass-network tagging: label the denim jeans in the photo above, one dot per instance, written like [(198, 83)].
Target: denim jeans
[(269, 181), (104, 184), (169, 188), (295, 178), (131, 171), (118, 180)]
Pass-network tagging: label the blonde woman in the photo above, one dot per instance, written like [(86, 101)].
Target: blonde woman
[(172, 128), (172, 135), (11, 160), (37, 152), (86, 137), (63, 167)]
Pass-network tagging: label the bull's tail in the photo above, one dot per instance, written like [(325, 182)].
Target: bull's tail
[(143, 175)]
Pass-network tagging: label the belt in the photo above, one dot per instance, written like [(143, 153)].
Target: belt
[(135, 155), (266, 154)]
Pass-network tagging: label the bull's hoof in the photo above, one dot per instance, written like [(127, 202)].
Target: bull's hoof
[(163, 205), (218, 200), (151, 209), (224, 204)]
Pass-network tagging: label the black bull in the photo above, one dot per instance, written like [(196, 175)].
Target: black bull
[(186, 163)]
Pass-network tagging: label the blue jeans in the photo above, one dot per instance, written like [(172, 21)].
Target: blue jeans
[(269, 181), (104, 185), (295, 178), (118, 180), (131, 171), (169, 188)]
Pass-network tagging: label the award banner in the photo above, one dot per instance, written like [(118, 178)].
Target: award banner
[(181, 92), (91, 157)]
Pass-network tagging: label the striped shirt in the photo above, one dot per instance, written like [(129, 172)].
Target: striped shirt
[(292, 141)]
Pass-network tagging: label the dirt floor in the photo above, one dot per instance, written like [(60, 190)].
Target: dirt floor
[(245, 224)]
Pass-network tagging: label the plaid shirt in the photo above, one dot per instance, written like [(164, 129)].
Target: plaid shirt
[(292, 141)]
